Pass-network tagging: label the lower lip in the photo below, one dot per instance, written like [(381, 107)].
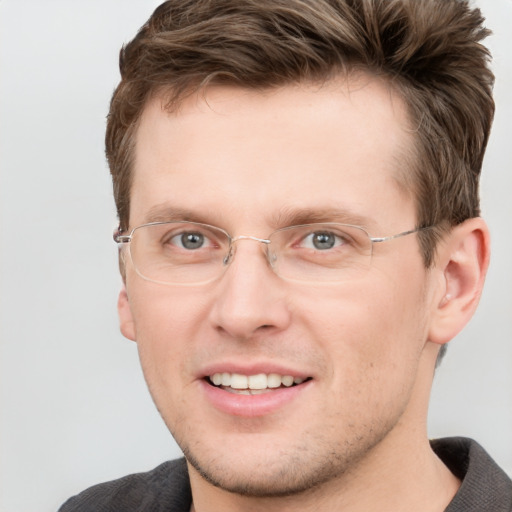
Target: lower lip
[(252, 405)]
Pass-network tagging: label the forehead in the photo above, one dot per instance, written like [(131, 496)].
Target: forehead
[(230, 151)]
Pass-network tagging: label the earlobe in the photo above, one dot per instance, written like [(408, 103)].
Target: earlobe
[(463, 258), (124, 311)]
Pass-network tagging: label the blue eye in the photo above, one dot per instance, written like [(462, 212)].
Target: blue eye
[(190, 240), (322, 240)]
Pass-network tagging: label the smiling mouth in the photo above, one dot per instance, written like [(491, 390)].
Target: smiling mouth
[(253, 384)]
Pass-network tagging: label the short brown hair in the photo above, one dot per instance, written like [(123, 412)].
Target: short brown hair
[(430, 51)]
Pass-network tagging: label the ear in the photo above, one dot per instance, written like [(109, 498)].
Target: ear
[(126, 323), (462, 259)]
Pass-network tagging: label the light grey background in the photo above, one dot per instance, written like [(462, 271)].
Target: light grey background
[(74, 406)]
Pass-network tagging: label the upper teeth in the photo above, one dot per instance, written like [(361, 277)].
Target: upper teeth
[(259, 381)]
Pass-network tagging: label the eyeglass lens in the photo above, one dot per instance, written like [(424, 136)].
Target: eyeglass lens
[(192, 253)]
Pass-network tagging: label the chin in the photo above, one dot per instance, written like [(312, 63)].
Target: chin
[(278, 479), (272, 471)]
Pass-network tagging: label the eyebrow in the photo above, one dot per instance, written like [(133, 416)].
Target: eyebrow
[(166, 213), (296, 216), (286, 216)]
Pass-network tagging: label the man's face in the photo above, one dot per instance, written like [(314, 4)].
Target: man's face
[(252, 162)]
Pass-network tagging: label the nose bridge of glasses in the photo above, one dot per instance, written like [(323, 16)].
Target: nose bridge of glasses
[(229, 257), (247, 237)]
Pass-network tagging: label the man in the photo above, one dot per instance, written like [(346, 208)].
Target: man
[(297, 189)]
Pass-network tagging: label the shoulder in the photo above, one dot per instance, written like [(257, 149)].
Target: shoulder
[(164, 488), (485, 486)]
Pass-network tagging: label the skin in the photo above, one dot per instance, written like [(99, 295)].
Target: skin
[(355, 436)]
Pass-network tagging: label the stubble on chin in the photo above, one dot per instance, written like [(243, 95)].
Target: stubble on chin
[(299, 471)]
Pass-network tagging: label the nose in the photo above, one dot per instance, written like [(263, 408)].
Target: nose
[(250, 298)]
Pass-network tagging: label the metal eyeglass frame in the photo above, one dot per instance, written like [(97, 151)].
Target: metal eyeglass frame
[(122, 239)]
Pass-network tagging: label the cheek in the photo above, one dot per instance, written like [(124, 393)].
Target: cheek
[(375, 330), (167, 321)]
